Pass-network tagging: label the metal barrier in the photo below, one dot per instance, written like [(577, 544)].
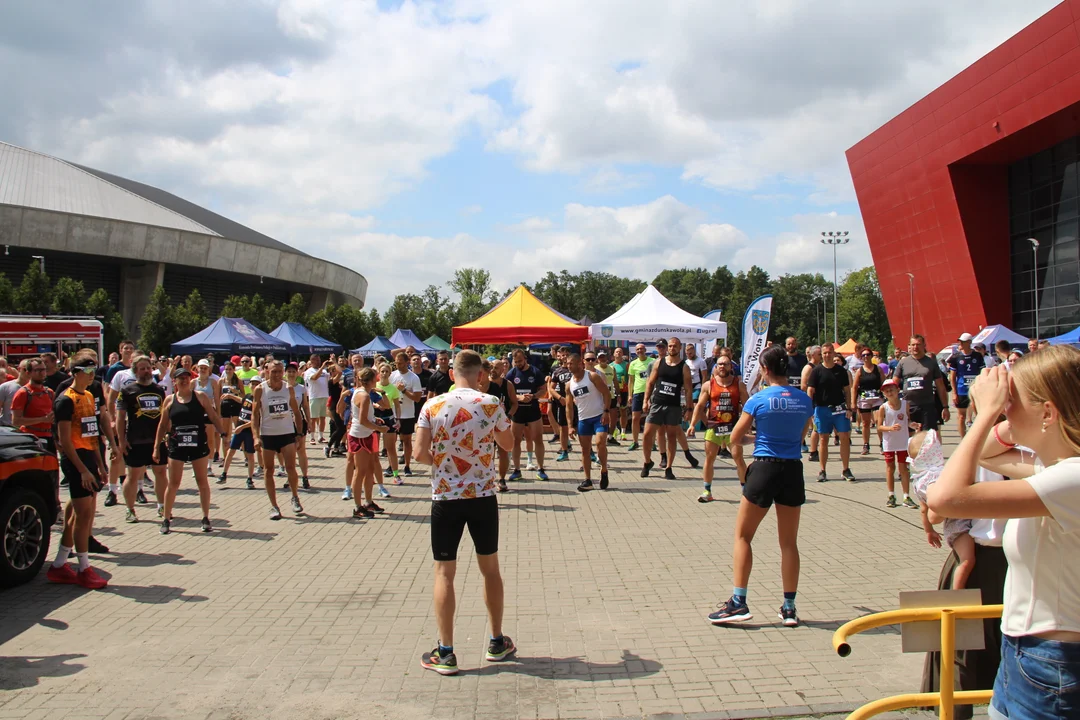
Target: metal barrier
[(947, 698)]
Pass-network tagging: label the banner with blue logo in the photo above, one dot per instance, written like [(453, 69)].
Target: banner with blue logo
[(755, 329)]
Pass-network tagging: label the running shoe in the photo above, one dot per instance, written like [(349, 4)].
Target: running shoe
[(836, 440), (375, 508), (160, 511), (603, 480), (382, 453), (502, 486), (275, 514), (129, 516), (258, 472), (724, 454), (592, 456), (634, 446), (110, 499), (362, 512), (530, 467), (398, 480), (541, 475), (221, 479), (205, 524), (663, 460), (669, 474), (515, 475), (805, 448), (500, 649), (705, 497), (865, 449), (909, 503), (731, 612), (383, 492), (813, 456), (250, 484), (388, 472), (585, 486), (554, 439), (789, 617), (406, 471), (822, 477), (304, 483), (612, 442), (95, 546), (690, 458), (296, 506), (164, 529), (847, 475), (562, 457), (140, 497), (90, 580), (401, 459), (281, 472), (346, 494), (891, 502), (442, 664), (326, 452), (63, 575), (646, 468)]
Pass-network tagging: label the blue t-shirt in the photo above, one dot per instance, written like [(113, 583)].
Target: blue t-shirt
[(529, 381), (780, 412), (113, 369), (967, 368)]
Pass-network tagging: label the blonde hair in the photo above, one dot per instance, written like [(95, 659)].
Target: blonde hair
[(1053, 375)]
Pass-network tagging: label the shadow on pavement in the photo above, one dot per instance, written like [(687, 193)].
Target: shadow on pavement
[(132, 559), (24, 672), (573, 668), (153, 594)]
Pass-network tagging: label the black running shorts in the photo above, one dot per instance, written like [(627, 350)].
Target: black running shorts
[(448, 521), (277, 443), (406, 426), (527, 414), (74, 479), (143, 455), (769, 480), (559, 413)]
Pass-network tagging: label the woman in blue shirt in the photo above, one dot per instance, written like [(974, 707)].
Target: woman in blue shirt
[(779, 412)]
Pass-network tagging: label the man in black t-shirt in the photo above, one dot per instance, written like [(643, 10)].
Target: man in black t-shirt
[(54, 374), (826, 387), (528, 384), (796, 362), (138, 410), (560, 375), (440, 381)]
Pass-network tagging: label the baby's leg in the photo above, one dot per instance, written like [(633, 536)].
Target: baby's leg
[(964, 547)]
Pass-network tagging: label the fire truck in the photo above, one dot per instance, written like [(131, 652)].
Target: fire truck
[(23, 336)]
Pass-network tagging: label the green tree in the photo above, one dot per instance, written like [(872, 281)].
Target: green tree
[(294, 311), (7, 295), (100, 306), (558, 292), (191, 316), (252, 308), (158, 327), (861, 310), (68, 297), (475, 297), (32, 295), (797, 309), (407, 311)]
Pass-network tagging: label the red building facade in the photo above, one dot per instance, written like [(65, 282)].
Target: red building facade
[(951, 189)]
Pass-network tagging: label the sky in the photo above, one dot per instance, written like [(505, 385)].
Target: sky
[(407, 139)]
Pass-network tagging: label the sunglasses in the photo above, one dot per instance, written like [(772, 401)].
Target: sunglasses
[(88, 369), (590, 359)]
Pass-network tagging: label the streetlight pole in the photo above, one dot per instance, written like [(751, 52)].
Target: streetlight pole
[(911, 284), (1035, 280), (834, 239), (41, 262)]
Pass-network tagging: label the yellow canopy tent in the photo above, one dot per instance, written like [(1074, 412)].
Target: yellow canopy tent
[(520, 318)]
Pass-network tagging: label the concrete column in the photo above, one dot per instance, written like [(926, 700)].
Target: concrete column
[(319, 299), (137, 283)]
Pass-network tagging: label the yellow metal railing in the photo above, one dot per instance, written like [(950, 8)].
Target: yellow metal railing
[(947, 698)]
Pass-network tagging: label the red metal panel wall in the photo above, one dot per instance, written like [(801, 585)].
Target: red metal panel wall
[(932, 182)]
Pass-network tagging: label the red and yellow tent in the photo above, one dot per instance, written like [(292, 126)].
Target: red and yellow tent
[(520, 318)]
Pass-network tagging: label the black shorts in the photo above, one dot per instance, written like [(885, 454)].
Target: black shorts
[(638, 403), (614, 403), (928, 416), (277, 443), (188, 454), (769, 480), (559, 414), (230, 409), (527, 413), (406, 426), (74, 478), (963, 402), (303, 431), (448, 521), (623, 397), (143, 455), (243, 440)]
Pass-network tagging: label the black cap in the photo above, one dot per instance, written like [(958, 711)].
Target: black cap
[(85, 362), (180, 371)]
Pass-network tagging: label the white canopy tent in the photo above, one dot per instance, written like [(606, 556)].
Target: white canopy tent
[(649, 316)]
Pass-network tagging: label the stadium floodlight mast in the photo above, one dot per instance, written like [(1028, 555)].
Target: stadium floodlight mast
[(834, 239)]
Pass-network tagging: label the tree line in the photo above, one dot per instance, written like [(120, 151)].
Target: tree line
[(798, 301)]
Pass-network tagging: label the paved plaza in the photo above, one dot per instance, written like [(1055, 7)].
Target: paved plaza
[(326, 617)]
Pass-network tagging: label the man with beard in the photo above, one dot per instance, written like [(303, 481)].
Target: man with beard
[(138, 410)]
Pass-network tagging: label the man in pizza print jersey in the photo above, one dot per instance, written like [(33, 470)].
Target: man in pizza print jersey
[(456, 435)]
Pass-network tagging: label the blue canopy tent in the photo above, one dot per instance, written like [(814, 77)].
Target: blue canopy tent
[(379, 345), (404, 338), (302, 341), (229, 336), (1070, 338)]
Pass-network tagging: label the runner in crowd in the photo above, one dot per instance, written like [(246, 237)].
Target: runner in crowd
[(364, 431), (441, 378), (826, 386), (246, 371), (242, 439), (54, 374), (138, 412), (558, 408), (719, 406), (529, 386), (230, 399), (796, 360), (699, 371), (964, 367), (316, 378), (779, 413), (668, 385), (638, 370), (587, 414), (854, 361), (866, 395), (207, 383), (813, 359), (892, 422), (420, 370), (7, 389), (989, 359), (299, 391), (114, 377), (77, 424), (335, 385), (185, 415), (457, 435), (622, 389), (1033, 345), (611, 417), (923, 385), (500, 388), (408, 385), (32, 405), (275, 420), (389, 418), (344, 409)]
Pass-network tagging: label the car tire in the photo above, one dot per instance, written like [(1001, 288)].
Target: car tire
[(25, 534)]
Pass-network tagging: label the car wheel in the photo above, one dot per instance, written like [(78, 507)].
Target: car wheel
[(25, 534)]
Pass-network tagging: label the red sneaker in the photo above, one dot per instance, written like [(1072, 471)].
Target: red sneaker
[(63, 574), (91, 580)]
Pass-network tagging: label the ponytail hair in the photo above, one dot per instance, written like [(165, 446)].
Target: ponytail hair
[(774, 361)]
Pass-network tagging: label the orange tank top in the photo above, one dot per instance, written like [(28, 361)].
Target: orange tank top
[(724, 406)]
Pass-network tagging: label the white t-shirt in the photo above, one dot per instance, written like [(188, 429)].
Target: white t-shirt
[(896, 440), (699, 371), (121, 379), (1042, 587), (318, 387), (412, 384), (985, 531), (7, 394)]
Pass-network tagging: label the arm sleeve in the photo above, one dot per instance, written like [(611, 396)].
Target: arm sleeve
[(64, 409), (1059, 489)]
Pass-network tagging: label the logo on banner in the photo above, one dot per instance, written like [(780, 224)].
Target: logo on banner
[(606, 330), (246, 330), (759, 320)]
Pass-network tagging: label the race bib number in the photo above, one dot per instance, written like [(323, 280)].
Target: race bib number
[(187, 436), (227, 390), (869, 394), (969, 380), (581, 391), (88, 426), (522, 393), (245, 415), (913, 383), (149, 403), (839, 409), (279, 408), (667, 388), (644, 374)]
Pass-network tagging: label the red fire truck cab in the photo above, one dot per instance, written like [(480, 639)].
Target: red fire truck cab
[(23, 336)]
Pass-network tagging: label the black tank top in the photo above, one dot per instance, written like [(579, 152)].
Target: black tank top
[(870, 381), (669, 383), (188, 424), (235, 387)]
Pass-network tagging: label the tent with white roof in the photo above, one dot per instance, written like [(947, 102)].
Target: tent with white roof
[(649, 316)]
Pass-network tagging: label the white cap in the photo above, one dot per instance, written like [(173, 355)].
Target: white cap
[(203, 363), (964, 337)]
